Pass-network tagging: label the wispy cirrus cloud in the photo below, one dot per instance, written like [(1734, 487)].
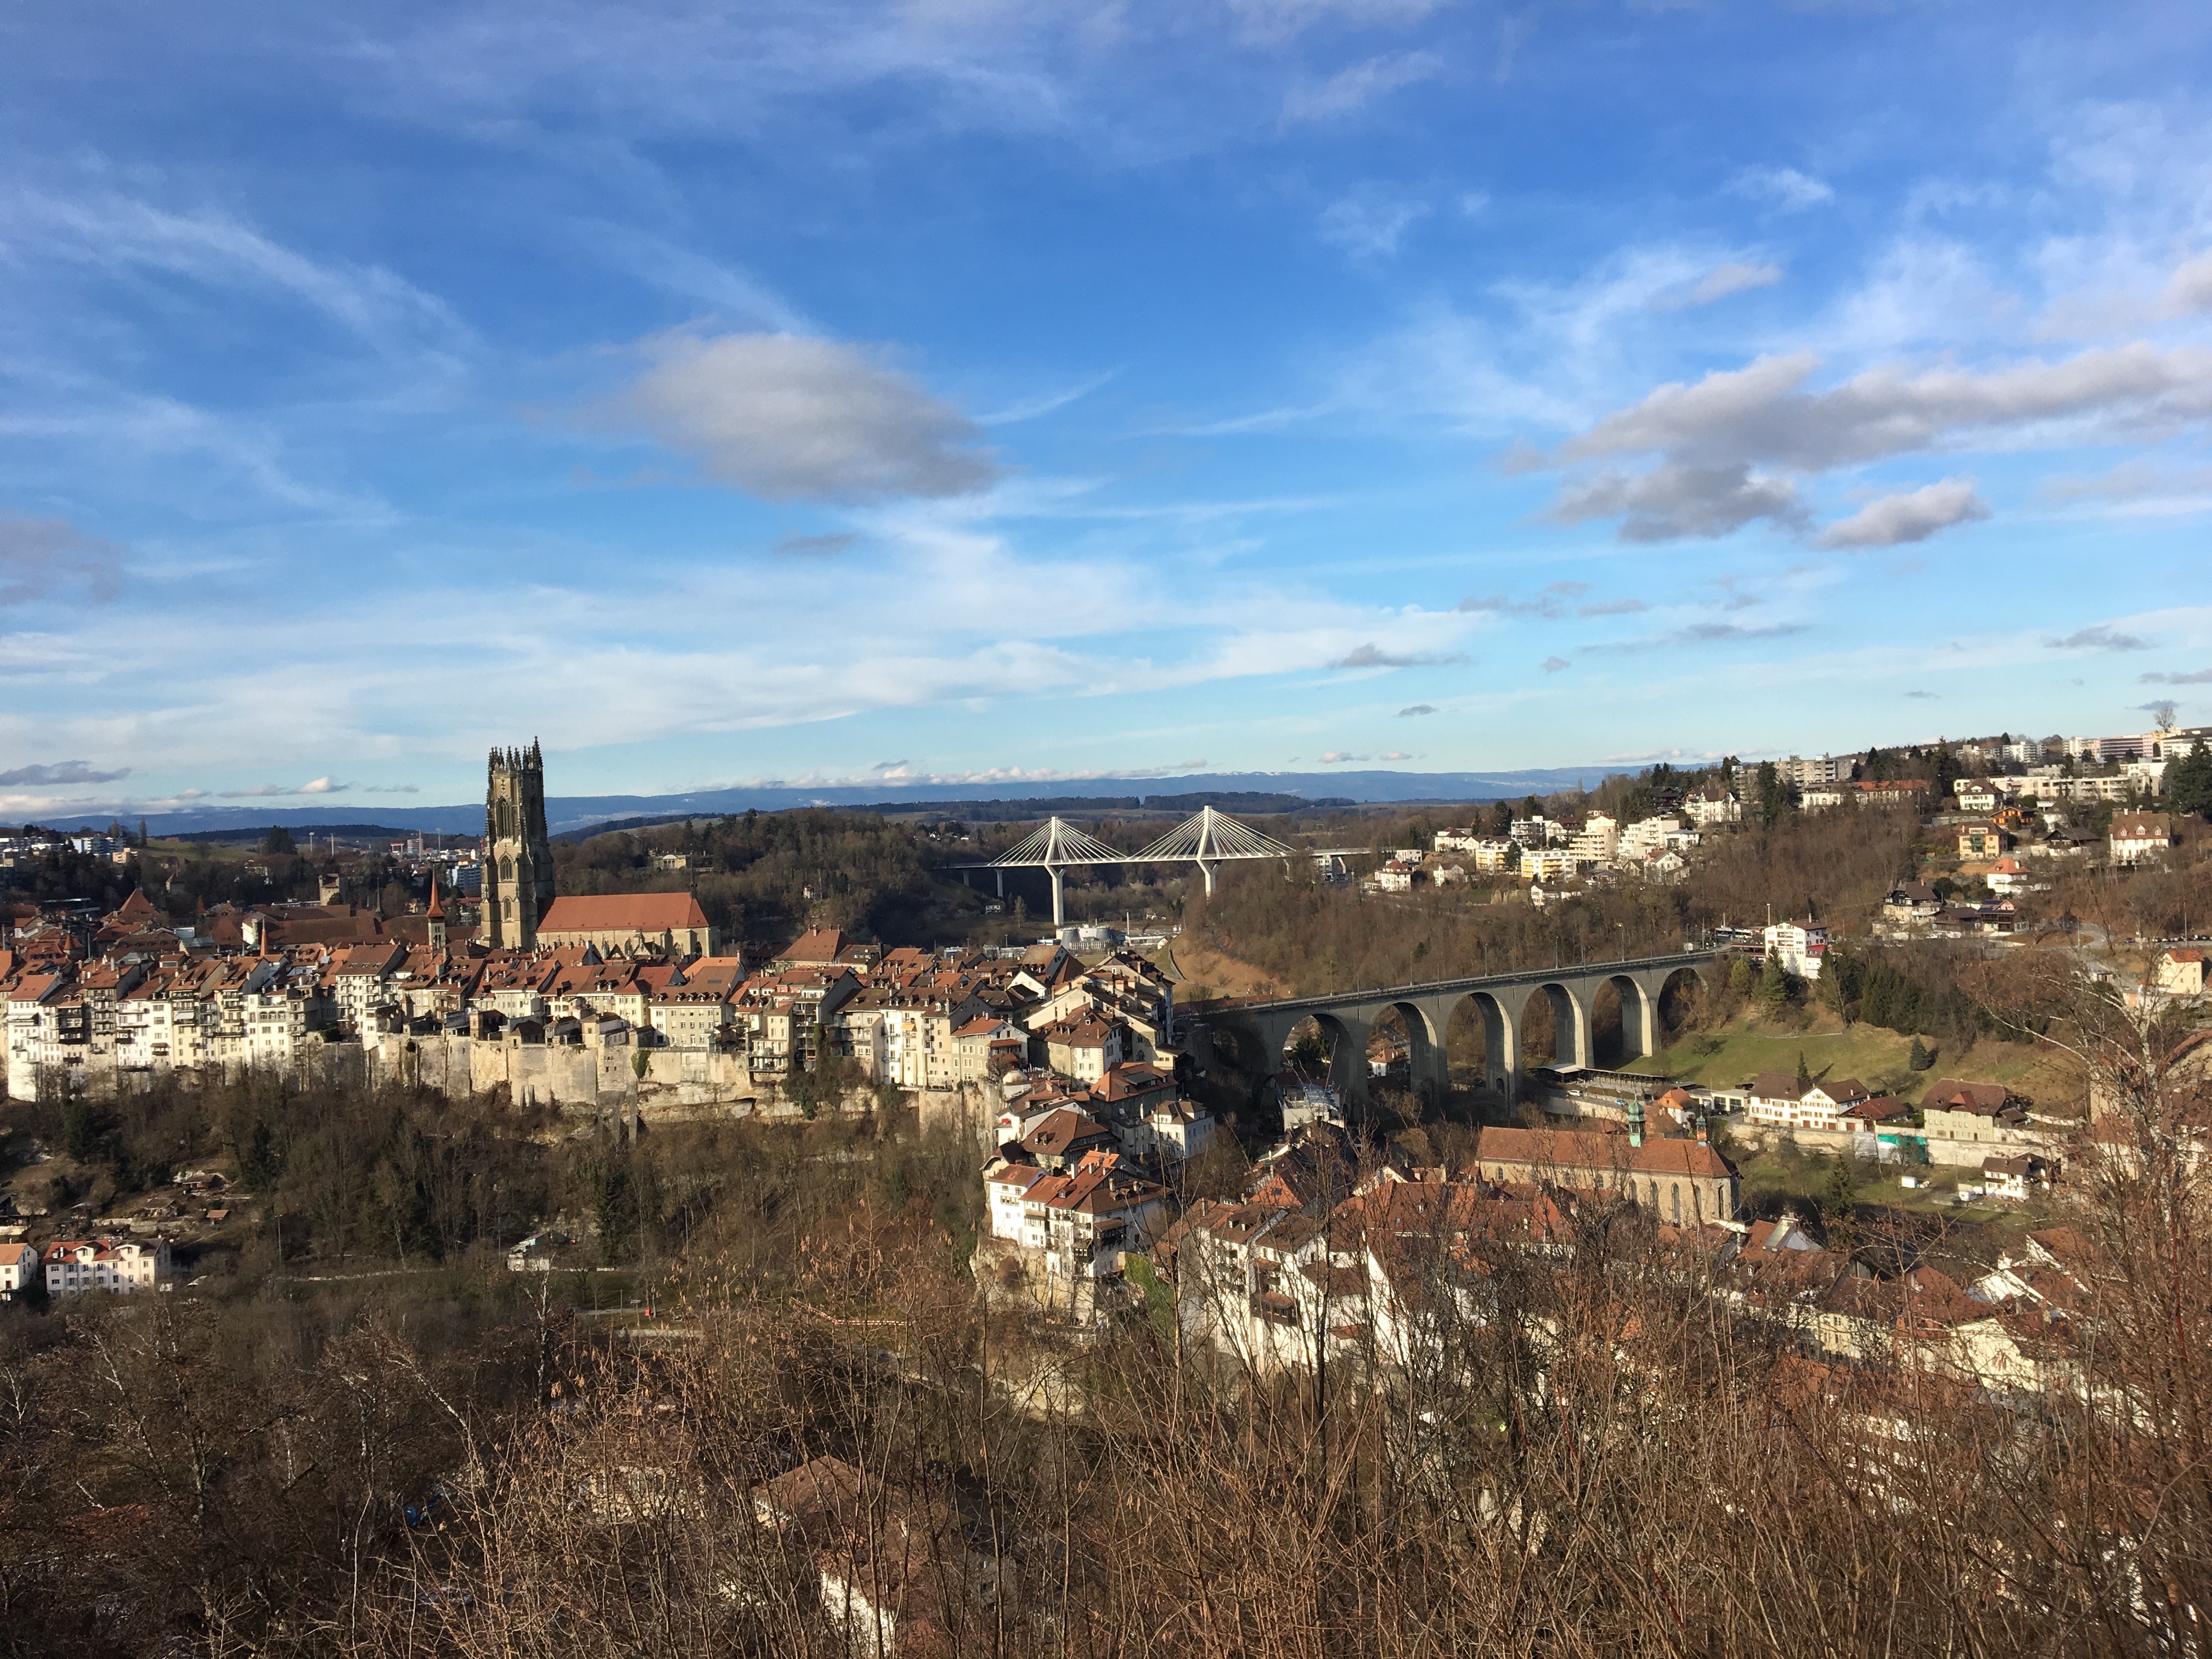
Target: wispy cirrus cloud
[(1558, 599), (1718, 633), (1353, 88), (110, 228), (1782, 187), (2201, 677), (1369, 222), (1731, 276)]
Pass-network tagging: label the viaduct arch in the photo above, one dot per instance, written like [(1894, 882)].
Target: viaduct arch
[(1237, 1035)]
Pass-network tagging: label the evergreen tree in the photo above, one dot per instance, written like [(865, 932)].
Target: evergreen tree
[(1773, 986), (1804, 1073), (1920, 1057), (1943, 771), (1774, 795), (278, 840), (2189, 782), (1839, 1209)]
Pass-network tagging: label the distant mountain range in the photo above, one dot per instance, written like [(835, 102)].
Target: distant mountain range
[(569, 812)]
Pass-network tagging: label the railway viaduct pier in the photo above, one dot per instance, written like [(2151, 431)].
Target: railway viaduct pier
[(1250, 1037)]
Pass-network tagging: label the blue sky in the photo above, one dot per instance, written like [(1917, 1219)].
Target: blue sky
[(959, 389)]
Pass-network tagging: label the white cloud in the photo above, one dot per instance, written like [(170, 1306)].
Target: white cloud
[(1784, 187), (1350, 90), (2098, 636), (1337, 756), (788, 417), (1733, 277), (1556, 664), (1373, 656), (2189, 288), (58, 772), (791, 545), (1912, 516), (1394, 755), (1369, 222), (1762, 412), (312, 786), (2127, 482), (40, 555), (1673, 501)]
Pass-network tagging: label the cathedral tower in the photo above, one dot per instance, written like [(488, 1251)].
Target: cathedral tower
[(518, 868)]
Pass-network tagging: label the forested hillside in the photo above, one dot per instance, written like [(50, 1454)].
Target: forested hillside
[(1834, 867), (770, 874)]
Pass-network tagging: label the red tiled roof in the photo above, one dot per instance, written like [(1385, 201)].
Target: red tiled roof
[(1581, 1149), (622, 912)]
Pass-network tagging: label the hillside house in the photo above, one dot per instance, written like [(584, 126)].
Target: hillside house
[(1982, 841), (75, 1265), (2180, 973), (2135, 836)]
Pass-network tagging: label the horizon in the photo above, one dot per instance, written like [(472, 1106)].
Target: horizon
[(855, 395)]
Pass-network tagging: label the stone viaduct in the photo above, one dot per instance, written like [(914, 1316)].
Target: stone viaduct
[(1250, 1037)]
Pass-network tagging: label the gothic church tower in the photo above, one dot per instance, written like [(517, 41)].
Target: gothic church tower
[(518, 876)]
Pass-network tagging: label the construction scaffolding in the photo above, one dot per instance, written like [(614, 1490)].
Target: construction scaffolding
[(1209, 839)]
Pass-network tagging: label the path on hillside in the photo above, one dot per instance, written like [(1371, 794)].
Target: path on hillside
[(1225, 976)]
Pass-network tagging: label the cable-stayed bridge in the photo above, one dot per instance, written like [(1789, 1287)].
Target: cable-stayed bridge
[(1208, 839)]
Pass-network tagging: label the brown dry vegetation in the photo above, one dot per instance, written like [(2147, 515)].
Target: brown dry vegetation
[(1834, 867), (1606, 1460)]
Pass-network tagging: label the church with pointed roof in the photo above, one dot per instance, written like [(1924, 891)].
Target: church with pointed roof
[(520, 912)]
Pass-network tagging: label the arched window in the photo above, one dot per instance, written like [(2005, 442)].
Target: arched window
[(506, 873), (1675, 1197), (509, 907)]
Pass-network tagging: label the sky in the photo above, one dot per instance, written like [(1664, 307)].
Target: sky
[(967, 390)]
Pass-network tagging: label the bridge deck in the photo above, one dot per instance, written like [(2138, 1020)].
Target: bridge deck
[(1460, 987)]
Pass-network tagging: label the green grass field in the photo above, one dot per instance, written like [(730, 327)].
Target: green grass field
[(1875, 1057)]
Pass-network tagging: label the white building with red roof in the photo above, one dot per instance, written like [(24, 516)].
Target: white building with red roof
[(75, 1265)]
